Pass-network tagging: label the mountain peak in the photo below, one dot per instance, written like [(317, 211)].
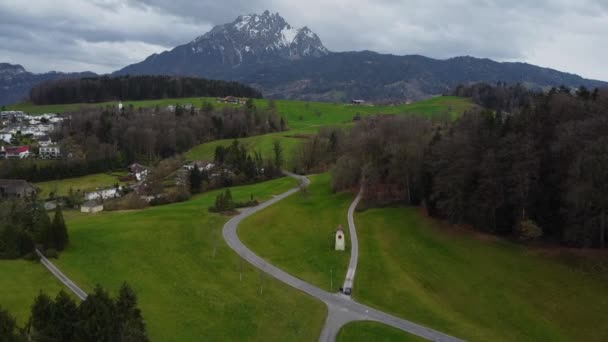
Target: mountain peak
[(255, 38)]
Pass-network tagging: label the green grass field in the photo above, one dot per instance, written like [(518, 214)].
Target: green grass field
[(297, 234), (31, 108), (364, 331), (306, 118), (84, 184), (477, 288), (186, 277), (298, 113), (20, 283)]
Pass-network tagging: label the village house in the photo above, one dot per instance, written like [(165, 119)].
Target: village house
[(15, 152), (139, 171), (44, 141), (6, 137), (49, 152), (200, 164), (103, 194), (16, 188), (91, 207)]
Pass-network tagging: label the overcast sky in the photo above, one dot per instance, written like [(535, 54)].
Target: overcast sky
[(106, 35)]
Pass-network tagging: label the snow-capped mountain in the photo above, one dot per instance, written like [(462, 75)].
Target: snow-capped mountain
[(249, 40), (257, 38)]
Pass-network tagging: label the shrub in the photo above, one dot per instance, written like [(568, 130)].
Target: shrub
[(51, 253), (528, 230)]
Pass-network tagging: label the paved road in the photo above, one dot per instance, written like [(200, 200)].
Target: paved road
[(341, 309), (354, 243), (62, 277)]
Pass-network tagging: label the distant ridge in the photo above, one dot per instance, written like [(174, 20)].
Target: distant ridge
[(266, 52), (16, 82)]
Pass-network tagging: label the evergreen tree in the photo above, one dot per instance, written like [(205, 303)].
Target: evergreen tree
[(40, 327), (41, 227), (64, 316), (131, 326), (59, 231), (196, 180), (97, 321), (278, 154), (8, 327), (228, 202)]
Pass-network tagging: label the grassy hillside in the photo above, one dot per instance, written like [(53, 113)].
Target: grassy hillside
[(85, 183), (20, 282), (477, 288), (297, 234), (374, 331), (186, 277), (306, 118), (294, 111)]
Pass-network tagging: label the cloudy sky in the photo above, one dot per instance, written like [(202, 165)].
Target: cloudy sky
[(105, 35)]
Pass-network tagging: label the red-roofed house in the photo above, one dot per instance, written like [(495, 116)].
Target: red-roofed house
[(17, 152)]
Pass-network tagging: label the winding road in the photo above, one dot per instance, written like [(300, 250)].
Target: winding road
[(354, 243), (341, 309)]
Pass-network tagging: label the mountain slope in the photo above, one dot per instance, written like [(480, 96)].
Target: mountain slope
[(283, 62), (16, 82), (372, 76), (247, 41)]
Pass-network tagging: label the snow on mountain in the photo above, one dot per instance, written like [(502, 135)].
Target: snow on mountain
[(256, 38)]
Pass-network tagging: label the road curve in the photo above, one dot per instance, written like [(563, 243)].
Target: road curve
[(354, 243), (341, 309), (62, 277)]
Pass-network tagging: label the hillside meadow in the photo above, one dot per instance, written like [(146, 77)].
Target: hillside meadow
[(20, 283), (477, 287), (297, 234), (83, 184), (306, 118), (190, 285), (374, 331)]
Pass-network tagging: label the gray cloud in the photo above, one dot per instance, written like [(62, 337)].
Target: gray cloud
[(104, 35)]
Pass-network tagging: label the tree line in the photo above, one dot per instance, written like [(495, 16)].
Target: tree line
[(134, 88), (98, 318), (535, 164), (26, 225)]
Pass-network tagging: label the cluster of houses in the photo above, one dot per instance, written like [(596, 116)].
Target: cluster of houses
[(232, 99), (37, 128)]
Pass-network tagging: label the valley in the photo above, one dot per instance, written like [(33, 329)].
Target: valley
[(355, 174)]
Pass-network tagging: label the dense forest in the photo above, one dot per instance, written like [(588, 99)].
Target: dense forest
[(133, 88), (25, 225), (528, 165), (98, 318)]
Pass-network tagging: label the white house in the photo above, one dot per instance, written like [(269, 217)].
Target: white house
[(6, 137), (91, 207), (44, 140), (340, 243), (139, 171), (201, 165), (48, 152), (103, 194)]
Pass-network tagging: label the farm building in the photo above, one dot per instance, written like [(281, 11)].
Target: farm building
[(16, 188), (91, 207)]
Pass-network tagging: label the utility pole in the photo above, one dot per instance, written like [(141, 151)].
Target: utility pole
[(331, 281)]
